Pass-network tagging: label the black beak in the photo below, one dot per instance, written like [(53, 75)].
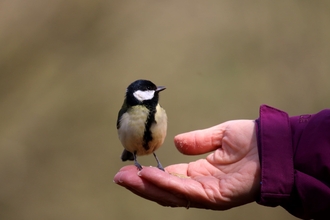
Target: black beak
[(160, 88)]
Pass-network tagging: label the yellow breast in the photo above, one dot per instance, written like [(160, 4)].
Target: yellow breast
[(132, 127)]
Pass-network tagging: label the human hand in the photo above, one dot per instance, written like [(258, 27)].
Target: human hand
[(227, 178)]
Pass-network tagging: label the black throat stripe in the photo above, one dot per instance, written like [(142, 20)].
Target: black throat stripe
[(147, 136)]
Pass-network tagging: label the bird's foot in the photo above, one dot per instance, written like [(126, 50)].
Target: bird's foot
[(138, 166), (160, 167)]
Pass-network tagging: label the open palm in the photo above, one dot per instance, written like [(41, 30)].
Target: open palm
[(228, 177)]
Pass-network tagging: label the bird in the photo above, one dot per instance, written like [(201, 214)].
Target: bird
[(142, 122)]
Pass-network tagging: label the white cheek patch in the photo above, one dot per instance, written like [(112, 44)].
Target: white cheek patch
[(144, 95)]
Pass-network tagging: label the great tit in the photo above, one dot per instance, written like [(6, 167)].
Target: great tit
[(142, 122)]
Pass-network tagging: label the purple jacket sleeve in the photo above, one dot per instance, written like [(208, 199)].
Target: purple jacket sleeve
[(295, 162)]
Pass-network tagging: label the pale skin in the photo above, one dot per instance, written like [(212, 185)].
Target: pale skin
[(226, 178)]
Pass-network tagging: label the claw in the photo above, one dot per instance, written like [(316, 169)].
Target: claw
[(136, 163)]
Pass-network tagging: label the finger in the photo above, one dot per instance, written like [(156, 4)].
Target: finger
[(171, 183), (200, 141), (125, 173), (177, 168), (190, 191), (129, 167), (128, 178)]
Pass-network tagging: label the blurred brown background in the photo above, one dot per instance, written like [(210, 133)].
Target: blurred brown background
[(65, 66)]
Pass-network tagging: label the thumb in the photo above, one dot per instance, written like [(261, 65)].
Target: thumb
[(200, 141)]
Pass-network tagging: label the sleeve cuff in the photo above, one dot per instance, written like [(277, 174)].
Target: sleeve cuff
[(276, 156)]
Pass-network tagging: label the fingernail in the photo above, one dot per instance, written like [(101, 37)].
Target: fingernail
[(117, 178), (139, 173)]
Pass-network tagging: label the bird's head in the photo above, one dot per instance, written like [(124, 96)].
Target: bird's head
[(143, 92)]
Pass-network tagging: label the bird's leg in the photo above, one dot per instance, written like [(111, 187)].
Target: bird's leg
[(159, 165), (135, 162)]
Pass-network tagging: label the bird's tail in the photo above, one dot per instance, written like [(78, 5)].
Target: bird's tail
[(126, 155)]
